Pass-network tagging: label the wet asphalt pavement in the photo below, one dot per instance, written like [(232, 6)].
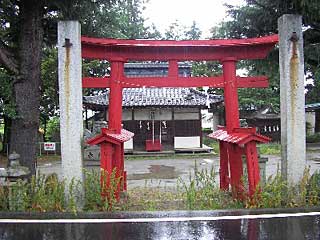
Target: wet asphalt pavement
[(176, 225)]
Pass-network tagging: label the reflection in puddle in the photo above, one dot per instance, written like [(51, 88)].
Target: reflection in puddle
[(156, 172)]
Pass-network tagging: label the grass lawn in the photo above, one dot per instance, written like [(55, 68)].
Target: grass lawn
[(269, 148)]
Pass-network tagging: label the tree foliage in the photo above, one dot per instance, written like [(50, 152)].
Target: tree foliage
[(176, 31), (49, 101), (259, 18), (6, 102)]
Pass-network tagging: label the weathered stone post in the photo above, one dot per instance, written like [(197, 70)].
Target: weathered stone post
[(70, 98), (292, 99)]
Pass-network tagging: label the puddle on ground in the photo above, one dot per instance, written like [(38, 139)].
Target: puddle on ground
[(156, 172)]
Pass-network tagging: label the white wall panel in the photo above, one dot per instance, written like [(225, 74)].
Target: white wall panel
[(187, 142)]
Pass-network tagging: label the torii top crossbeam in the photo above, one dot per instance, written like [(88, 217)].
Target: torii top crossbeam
[(197, 50)]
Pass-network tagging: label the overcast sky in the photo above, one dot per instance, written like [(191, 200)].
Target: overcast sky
[(206, 13)]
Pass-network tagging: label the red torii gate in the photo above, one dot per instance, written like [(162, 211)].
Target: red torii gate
[(234, 141)]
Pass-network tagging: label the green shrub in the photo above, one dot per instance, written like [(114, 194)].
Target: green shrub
[(313, 190), (92, 189), (18, 196), (200, 191), (269, 149), (278, 193), (4, 201), (53, 127), (41, 194), (93, 201), (46, 194)]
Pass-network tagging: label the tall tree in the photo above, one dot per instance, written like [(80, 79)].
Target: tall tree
[(25, 27), (20, 55)]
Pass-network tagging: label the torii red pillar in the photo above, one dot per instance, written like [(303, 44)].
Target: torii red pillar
[(115, 97), (115, 115), (112, 139), (232, 122)]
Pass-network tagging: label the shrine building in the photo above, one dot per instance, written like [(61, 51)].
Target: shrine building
[(162, 119)]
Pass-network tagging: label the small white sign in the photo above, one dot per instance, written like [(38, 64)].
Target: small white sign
[(49, 146)]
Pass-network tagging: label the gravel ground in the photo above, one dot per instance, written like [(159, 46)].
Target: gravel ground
[(166, 172)]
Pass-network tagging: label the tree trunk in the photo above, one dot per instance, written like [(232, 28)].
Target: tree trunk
[(24, 131)]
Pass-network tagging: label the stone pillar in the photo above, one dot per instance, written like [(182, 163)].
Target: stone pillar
[(292, 99), (70, 99)]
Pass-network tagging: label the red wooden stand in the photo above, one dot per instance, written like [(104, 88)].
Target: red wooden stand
[(112, 157), (241, 142)]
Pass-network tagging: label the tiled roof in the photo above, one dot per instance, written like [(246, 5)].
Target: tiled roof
[(140, 97)]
